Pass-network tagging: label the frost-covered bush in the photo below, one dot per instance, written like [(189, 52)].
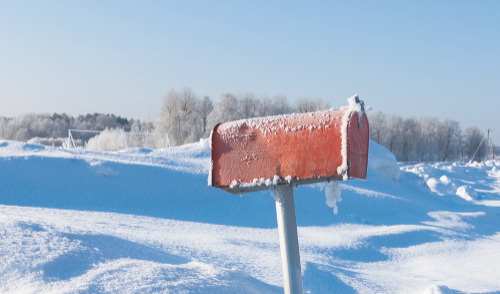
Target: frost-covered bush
[(109, 140), (118, 139)]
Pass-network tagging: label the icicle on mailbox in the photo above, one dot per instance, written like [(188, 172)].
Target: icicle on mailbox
[(279, 152)]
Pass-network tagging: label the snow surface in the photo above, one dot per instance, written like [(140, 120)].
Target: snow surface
[(143, 221)]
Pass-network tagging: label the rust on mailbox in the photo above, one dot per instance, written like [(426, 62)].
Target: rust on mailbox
[(253, 154)]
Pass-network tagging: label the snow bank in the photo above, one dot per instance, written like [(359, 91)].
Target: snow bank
[(382, 161), (165, 230)]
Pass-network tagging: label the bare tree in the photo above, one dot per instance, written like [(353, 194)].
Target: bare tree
[(473, 138), (309, 105), (393, 134), (179, 117), (170, 117), (426, 146), (248, 105), (448, 132), (3, 127), (205, 107), (410, 134), (279, 105), (225, 109), (378, 126)]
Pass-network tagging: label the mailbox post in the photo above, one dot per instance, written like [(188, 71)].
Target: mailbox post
[(278, 152)]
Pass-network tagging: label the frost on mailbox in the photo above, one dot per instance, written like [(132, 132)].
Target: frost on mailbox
[(253, 154)]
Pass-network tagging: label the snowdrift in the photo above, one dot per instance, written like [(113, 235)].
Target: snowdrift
[(145, 221)]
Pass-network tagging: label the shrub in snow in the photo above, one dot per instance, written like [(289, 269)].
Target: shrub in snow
[(109, 140), (381, 160)]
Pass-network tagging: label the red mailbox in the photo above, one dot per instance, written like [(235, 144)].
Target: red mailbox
[(250, 155), (278, 152)]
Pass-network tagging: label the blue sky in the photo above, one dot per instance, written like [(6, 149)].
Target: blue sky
[(413, 58)]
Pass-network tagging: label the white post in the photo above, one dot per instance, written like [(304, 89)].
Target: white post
[(289, 242)]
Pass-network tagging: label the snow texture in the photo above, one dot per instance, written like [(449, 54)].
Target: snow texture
[(144, 221)]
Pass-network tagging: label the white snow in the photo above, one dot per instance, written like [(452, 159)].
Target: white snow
[(145, 221), (382, 162), (467, 192), (332, 194)]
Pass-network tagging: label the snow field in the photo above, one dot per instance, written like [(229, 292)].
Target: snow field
[(142, 221)]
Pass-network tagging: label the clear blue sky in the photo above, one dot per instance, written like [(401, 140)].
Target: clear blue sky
[(413, 58)]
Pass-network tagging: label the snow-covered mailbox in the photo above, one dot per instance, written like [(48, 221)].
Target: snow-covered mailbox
[(279, 152)]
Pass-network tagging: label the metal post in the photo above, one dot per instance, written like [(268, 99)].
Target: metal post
[(289, 243)]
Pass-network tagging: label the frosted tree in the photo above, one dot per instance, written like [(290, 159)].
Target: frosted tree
[(170, 117), (448, 132), (473, 138), (279, 105), (179, 117), (410, 134), (264, 106), (205, 107), (248, 106), (378, 126), (426, 146), (309, 105), (393, 134), (3, 127), (225, 109)]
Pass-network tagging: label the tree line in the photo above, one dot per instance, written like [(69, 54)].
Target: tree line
[(50, 129), (186, 117), (426, 139)]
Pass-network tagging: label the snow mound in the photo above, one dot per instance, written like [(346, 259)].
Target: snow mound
[(443, 186), (381, 160), (467, 193)]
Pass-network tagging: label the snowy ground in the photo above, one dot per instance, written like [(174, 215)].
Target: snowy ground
[(146, 221)]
